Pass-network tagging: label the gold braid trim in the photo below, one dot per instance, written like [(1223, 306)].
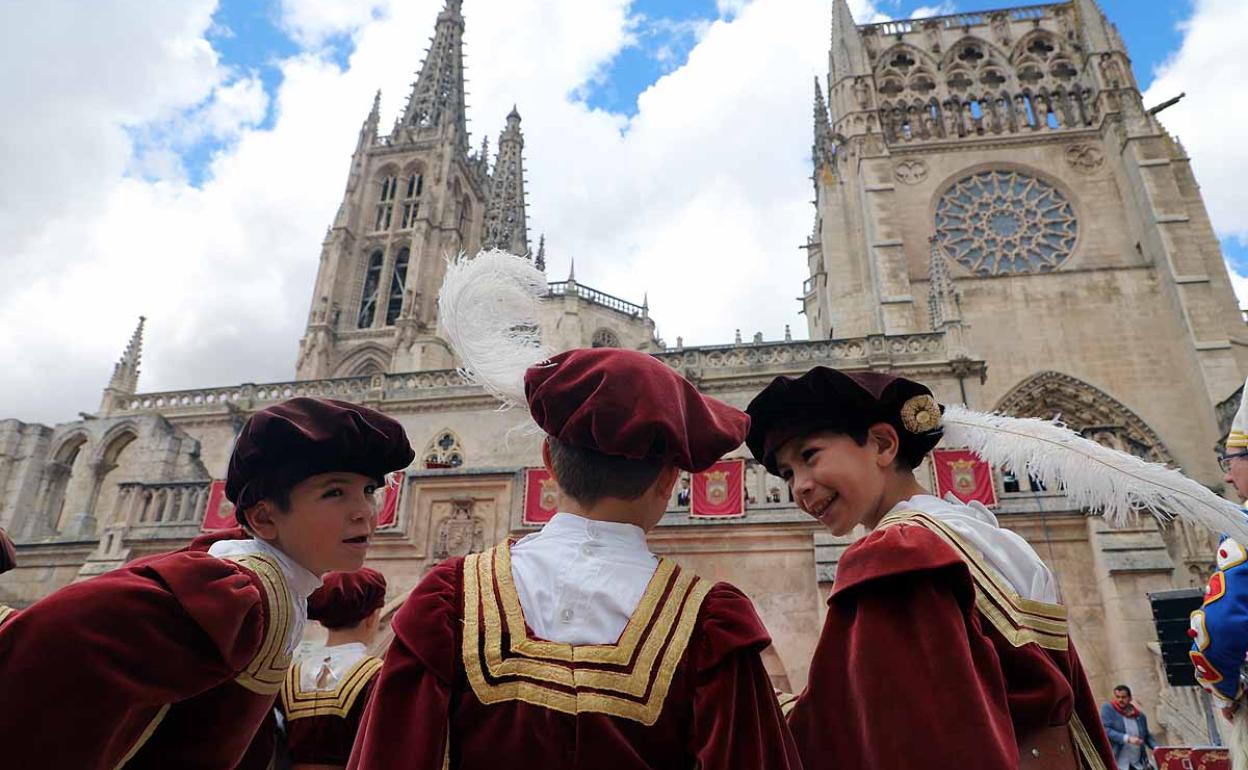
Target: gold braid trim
[(6, 612), (266, 672), (1020, 620), (338, 702), (787, 701), (637, 694), (1085, 746), (145, 736)]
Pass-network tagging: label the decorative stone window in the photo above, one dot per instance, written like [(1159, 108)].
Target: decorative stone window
[(444, 451), (1003, 222), (385, 203), (398, 280), (605, 338), (411, 206), (368, 299)]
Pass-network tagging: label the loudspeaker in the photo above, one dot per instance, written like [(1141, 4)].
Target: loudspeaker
[(1172, 615)]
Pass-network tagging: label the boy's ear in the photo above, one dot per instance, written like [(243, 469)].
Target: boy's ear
[(260, 518), (546, 458), (887, 443)]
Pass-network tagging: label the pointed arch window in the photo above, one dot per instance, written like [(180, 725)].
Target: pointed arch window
[(444, 451), (411, 203), (368, 300), (398, 280), (465, 211), (385, 203)]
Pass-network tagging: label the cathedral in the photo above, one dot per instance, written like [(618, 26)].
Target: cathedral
[(997, 214)]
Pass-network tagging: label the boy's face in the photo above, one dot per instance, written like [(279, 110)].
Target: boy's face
[(329, 523), (832, 478)]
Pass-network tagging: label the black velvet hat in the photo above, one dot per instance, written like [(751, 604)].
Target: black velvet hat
[(829, 399)]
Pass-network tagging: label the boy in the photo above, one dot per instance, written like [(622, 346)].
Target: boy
[(323, 697), (576, 647), (175, 660), (944, 645)]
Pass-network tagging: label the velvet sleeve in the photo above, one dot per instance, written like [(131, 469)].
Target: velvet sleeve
[(121, 646), (736, 718), (904, 671), (405, 725)]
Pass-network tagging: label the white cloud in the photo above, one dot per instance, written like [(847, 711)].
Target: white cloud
[(925, 11), (701, 199), (1209, 121)]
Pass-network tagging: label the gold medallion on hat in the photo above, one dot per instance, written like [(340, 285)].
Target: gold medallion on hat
[(920, 414)]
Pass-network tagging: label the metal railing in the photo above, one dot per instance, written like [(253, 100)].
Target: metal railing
[(566, 288)]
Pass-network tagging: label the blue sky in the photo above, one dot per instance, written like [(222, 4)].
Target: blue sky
[(249, 39)]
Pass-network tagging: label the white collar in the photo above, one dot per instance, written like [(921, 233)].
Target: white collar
[(300, 582), (579, 528)]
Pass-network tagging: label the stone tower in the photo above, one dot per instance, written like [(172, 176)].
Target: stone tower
[(413, 197), (1069, 234)]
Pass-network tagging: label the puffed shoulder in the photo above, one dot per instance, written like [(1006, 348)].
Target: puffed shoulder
[(727, 623), (894, 550), (429, 619), (225, 599)]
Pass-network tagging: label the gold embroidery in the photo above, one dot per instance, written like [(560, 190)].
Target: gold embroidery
[(574, 668), (1084, 744), (1018, 619), (145, 736), (338, 702), (6, 612), (920, 414), (266, 672)]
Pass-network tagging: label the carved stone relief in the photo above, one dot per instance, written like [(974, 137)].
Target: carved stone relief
[(910, 171), (1085, 158), (460, 533)]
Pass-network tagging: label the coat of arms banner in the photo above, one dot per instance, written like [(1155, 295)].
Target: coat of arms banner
[(719, 491), (219, 513), (541, 496), (965, 474), (388, 513)]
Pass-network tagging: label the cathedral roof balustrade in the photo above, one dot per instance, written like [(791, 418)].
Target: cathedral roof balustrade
[(572, 288), (960, 20), (703, 364)]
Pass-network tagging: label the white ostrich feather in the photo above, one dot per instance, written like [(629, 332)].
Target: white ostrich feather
[(1116, 484), (488, 312)]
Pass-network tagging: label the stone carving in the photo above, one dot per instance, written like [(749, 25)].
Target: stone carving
[(1085, 158), (461, 533), (1002, 222), (1087, 410), (910, 171)]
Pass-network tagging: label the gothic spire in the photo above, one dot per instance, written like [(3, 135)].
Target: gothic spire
[(436, 105), (824, 151), (1094, 27), (506, 226), (942, 300), (848, 55), (126, 371), (540, 260)]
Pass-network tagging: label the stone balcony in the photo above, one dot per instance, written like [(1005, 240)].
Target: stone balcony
[(715, 367)]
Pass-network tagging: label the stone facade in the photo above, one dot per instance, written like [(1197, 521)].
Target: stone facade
[(997, 215)]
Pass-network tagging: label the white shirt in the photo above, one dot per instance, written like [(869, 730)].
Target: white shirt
[(340, 658), (299, 581), (1009, 555), (579, 581)]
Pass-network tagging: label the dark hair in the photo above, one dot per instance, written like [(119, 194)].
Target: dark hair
[(587, 475), (1123, 688), (279, 496)]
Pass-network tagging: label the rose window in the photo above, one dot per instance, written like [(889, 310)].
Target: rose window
[(1005, 222)]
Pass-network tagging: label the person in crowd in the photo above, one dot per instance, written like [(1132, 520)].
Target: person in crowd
[(175, 660), (1127, 728), (324, 696)]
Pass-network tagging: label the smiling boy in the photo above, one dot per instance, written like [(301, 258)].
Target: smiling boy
[(944, 644), (175, 660)]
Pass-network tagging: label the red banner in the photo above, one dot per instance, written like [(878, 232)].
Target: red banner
[(219, 513), (965, 474), (388, 515), (719, 491), (541, 496), (1184, 758)]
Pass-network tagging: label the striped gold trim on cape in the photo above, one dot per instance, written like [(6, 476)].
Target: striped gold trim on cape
[(629, 679), (299, 703), (266, 672), (1020, 620)]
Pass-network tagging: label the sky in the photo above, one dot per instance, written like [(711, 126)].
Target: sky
[(181, 160)]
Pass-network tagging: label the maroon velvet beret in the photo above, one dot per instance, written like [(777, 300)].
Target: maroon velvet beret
[(829, 399), (346, 598), (8, 553), (288, 442), (630, 404)]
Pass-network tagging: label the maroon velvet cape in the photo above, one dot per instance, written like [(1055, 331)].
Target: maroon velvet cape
[(927, 659), (171, 661), (321, 725), (466, 685)]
